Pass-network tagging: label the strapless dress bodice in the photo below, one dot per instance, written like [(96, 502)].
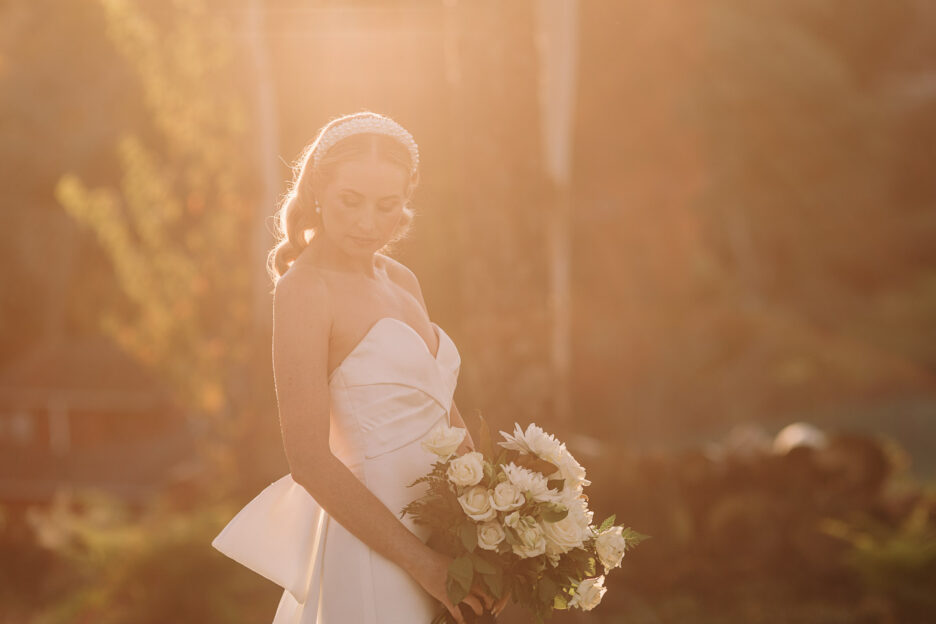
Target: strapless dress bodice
[(389, 390), (386, 395)]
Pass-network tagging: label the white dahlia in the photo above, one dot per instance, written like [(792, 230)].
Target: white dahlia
[(535, 441), (527, 480)]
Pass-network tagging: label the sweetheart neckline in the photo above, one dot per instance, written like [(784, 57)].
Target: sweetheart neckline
[(438, 332)]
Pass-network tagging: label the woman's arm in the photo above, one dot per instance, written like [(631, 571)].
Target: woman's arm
[(301, 328)]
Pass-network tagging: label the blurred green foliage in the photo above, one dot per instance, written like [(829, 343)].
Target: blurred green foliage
[(174, 227), (841, 533), (897, 563), (92, 558)]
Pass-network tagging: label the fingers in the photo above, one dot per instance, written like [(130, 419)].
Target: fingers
[(483, 595), (475, 604), (501, 604), (456, 613)]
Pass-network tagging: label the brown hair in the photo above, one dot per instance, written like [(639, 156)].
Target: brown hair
[(296, 214)]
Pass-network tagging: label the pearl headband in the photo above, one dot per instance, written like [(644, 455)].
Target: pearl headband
[(360, 125)]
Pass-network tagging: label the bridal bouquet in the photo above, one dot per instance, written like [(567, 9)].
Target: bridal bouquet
[(516, 519)]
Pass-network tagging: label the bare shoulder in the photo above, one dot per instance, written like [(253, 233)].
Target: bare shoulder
[(402, 275), (298, 281), (301, 293)]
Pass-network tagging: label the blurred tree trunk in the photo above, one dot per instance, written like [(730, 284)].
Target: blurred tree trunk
[(557, 46), (489, 49), (267, 151)]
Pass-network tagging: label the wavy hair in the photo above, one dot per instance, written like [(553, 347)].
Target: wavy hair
[(296, 221)]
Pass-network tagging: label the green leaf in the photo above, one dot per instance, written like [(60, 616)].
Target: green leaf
[(462, 571), (511, 536), (632, 537), (553, 512), (488, 472), (590, 567), (546, 590), (495, 582), (485, 442), (536, 464), (469, 536), (482, 565), (455, 591), (607, 524), (560, 602)]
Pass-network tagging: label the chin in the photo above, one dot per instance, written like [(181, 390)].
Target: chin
[(355, 248)]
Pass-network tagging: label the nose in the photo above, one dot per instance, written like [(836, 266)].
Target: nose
[(368, 221)]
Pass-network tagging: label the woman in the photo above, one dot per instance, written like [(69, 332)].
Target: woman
[(362, 376)]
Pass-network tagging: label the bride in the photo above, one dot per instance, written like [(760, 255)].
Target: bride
[(362, 376)]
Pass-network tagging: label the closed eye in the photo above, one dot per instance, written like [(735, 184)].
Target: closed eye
[(350, 200)]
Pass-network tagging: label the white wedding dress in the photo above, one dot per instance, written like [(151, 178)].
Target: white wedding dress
[(386, 395)]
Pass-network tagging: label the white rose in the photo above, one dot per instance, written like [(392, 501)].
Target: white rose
[(476, 503), (466, 469), (506, 497), (588, 593), (568, 533), (610, 545), (532, 542), (529, 532), (490, 534), (444, 440)]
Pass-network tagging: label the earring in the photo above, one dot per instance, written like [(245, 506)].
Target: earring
[(318, 208)]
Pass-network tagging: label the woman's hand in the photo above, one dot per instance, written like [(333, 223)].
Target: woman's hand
[(501, 603), (431, 573)]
